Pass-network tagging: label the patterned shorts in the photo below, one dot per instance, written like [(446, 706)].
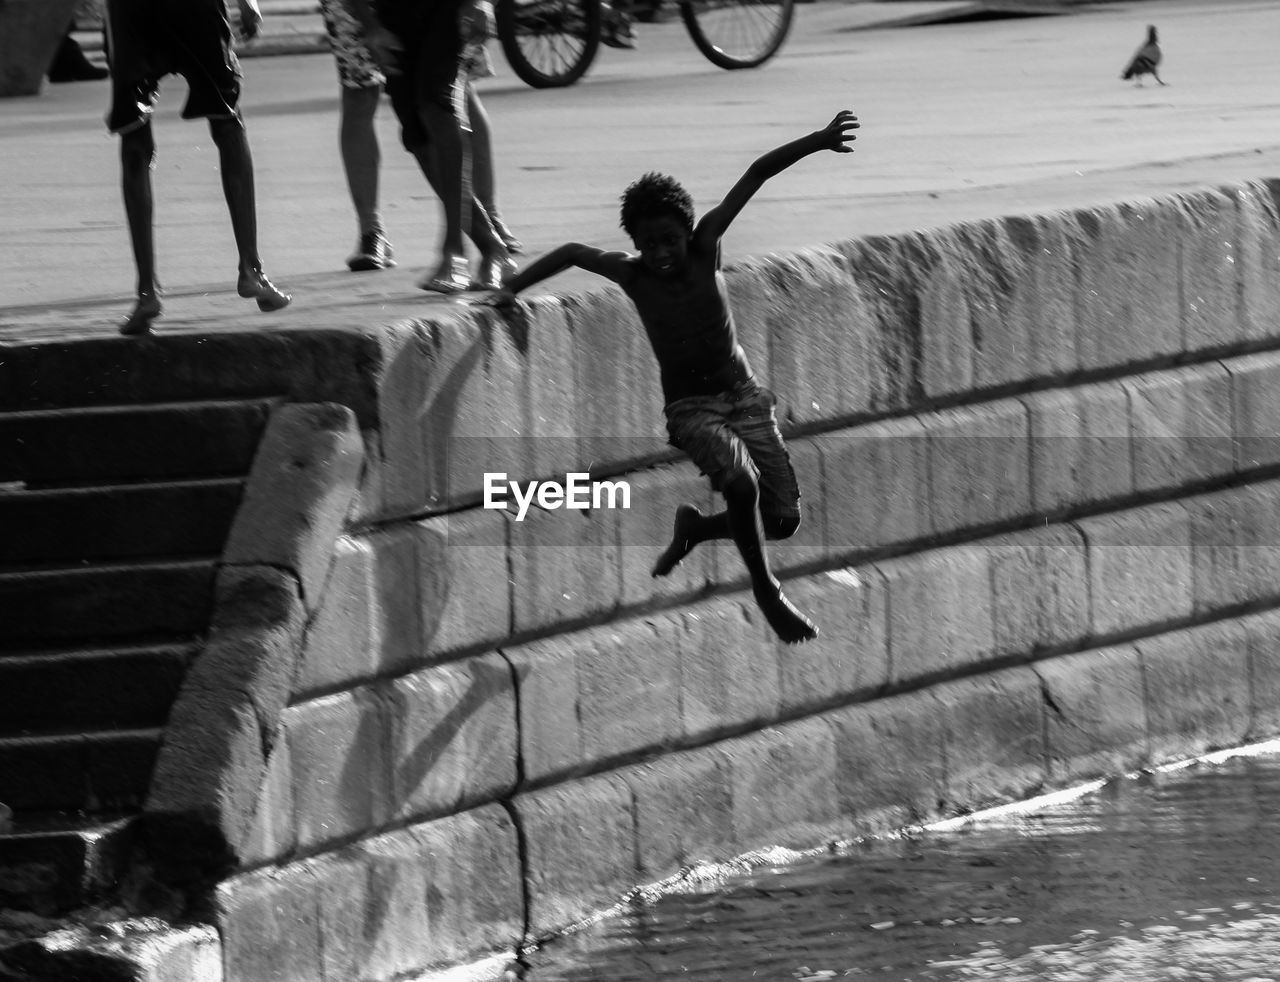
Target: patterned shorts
[(733, 432), (356, 67)]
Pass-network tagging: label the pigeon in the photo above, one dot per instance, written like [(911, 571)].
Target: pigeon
[(1145, 60)]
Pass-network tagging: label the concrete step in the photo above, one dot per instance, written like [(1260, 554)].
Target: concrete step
[(114, 444), (50, 865), (117, 688), (122, 522), (92, 772), (50, 607)]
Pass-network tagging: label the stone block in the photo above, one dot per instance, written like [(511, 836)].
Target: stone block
[(994, 732), (269, 921), (1258, 243), (465, 593), (683, 810), (300, 491), (1263, 633), (939, 612), (1140, 573), (618, 417), (474, 893), (30, 31), (890, 761), (453, 736), (784, 791), (1210, 269), (579, 847), (728, 667), (1095, 714), (337, 746), (1039, 590), (647, 530), (1081, 451), (1255, 409), (1036, 336), (270, 836), (546, 674), (564, 566), (340, 645), (850, 656), (1197, 689), (1235, 546), (1127, 261), (373, 913), (979, 465), (1181, 425), (879, 475)]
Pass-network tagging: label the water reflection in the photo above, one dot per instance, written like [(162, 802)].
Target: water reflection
[(1159, 877)]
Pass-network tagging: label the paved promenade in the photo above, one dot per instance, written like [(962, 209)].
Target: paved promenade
[(959, 121)]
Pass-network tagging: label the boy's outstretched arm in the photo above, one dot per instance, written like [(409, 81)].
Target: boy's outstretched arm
[(836, 136), (611, 265)]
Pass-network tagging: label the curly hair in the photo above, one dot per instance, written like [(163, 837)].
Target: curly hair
[(652, 195)]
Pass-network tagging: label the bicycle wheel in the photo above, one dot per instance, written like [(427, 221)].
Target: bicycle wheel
[(738, 33), (549, 43)]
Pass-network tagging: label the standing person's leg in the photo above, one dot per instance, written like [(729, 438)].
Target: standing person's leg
[(483, 176), (137, 155)]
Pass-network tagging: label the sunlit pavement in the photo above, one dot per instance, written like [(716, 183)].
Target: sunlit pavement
[(958, 121)]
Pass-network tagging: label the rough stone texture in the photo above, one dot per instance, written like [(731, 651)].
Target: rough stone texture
[(683, 810), (269, 921), (994, 732), (464, 597), (1197, 687), (453, 736), (1255, 405), (850, 656), (225, 718), (979, 465), (299, 493), (890, 761), (29, 34), (1127, 261), (1258, 214), (1263, 632), (728, 667), (1140, 572), (784, 793), (581, 849), (546, 674), (1095, 714), (271, 829), (954, 586), (646, 530), (564, 566), (1210, 270), (809, 544), (877, 477), (1081, 450), (340, 769), (341, 642), (1235, 543), (1181, 426), (1039, 590), (139, 949)]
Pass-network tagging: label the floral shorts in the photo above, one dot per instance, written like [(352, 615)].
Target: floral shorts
[(356, 67)]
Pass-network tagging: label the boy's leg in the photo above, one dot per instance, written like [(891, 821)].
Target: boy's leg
[(236, 163), (137, 154)]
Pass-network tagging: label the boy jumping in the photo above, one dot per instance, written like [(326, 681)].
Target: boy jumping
[(716, 411), (148, 39)]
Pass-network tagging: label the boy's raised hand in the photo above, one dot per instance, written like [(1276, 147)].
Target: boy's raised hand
[(838, 134)]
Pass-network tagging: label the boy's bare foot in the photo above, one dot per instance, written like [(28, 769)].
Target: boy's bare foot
[(254, 285), (787, 622), (144, 312), (681, 541)]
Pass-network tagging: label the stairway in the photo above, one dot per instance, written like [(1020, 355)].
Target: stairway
[(112, 520)]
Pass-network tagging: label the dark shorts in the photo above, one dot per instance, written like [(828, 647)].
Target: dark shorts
[(735, 432), (430, 62), (149, 39)]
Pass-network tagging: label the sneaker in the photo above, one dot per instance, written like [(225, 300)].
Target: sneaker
[(373, 251)]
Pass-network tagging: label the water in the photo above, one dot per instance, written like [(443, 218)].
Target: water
[(1161, 876)]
